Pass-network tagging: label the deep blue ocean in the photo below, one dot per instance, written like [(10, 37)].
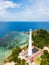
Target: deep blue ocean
[(6, 27)]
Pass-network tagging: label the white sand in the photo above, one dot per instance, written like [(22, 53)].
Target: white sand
[(46, 48), (8, 63)]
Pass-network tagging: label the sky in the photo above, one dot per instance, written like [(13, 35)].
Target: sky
[(24, 10)]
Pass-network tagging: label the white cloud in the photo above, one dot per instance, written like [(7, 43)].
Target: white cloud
[(26, 13), (40, 10), (7, 4), (37, 11)]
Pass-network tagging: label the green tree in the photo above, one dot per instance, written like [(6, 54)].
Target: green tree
[(45, 58)]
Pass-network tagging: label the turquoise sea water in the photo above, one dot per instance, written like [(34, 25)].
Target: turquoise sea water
[(6, 27), (4, 54), (11, 40)]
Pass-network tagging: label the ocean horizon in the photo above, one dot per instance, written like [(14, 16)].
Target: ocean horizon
[(6, 27)]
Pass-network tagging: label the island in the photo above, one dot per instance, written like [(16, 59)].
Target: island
[(34, 53)]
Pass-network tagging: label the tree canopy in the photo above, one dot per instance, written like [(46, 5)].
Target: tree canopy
[(41, 38)]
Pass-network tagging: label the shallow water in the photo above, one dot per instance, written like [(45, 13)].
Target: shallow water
[(4, 54), (19, 39)]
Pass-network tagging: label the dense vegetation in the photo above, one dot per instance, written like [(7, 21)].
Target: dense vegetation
[(45, 58), (14, 57), (15, 52), (41, 38)]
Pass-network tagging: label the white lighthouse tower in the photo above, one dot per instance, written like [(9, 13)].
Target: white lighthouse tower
[(30, 43)]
